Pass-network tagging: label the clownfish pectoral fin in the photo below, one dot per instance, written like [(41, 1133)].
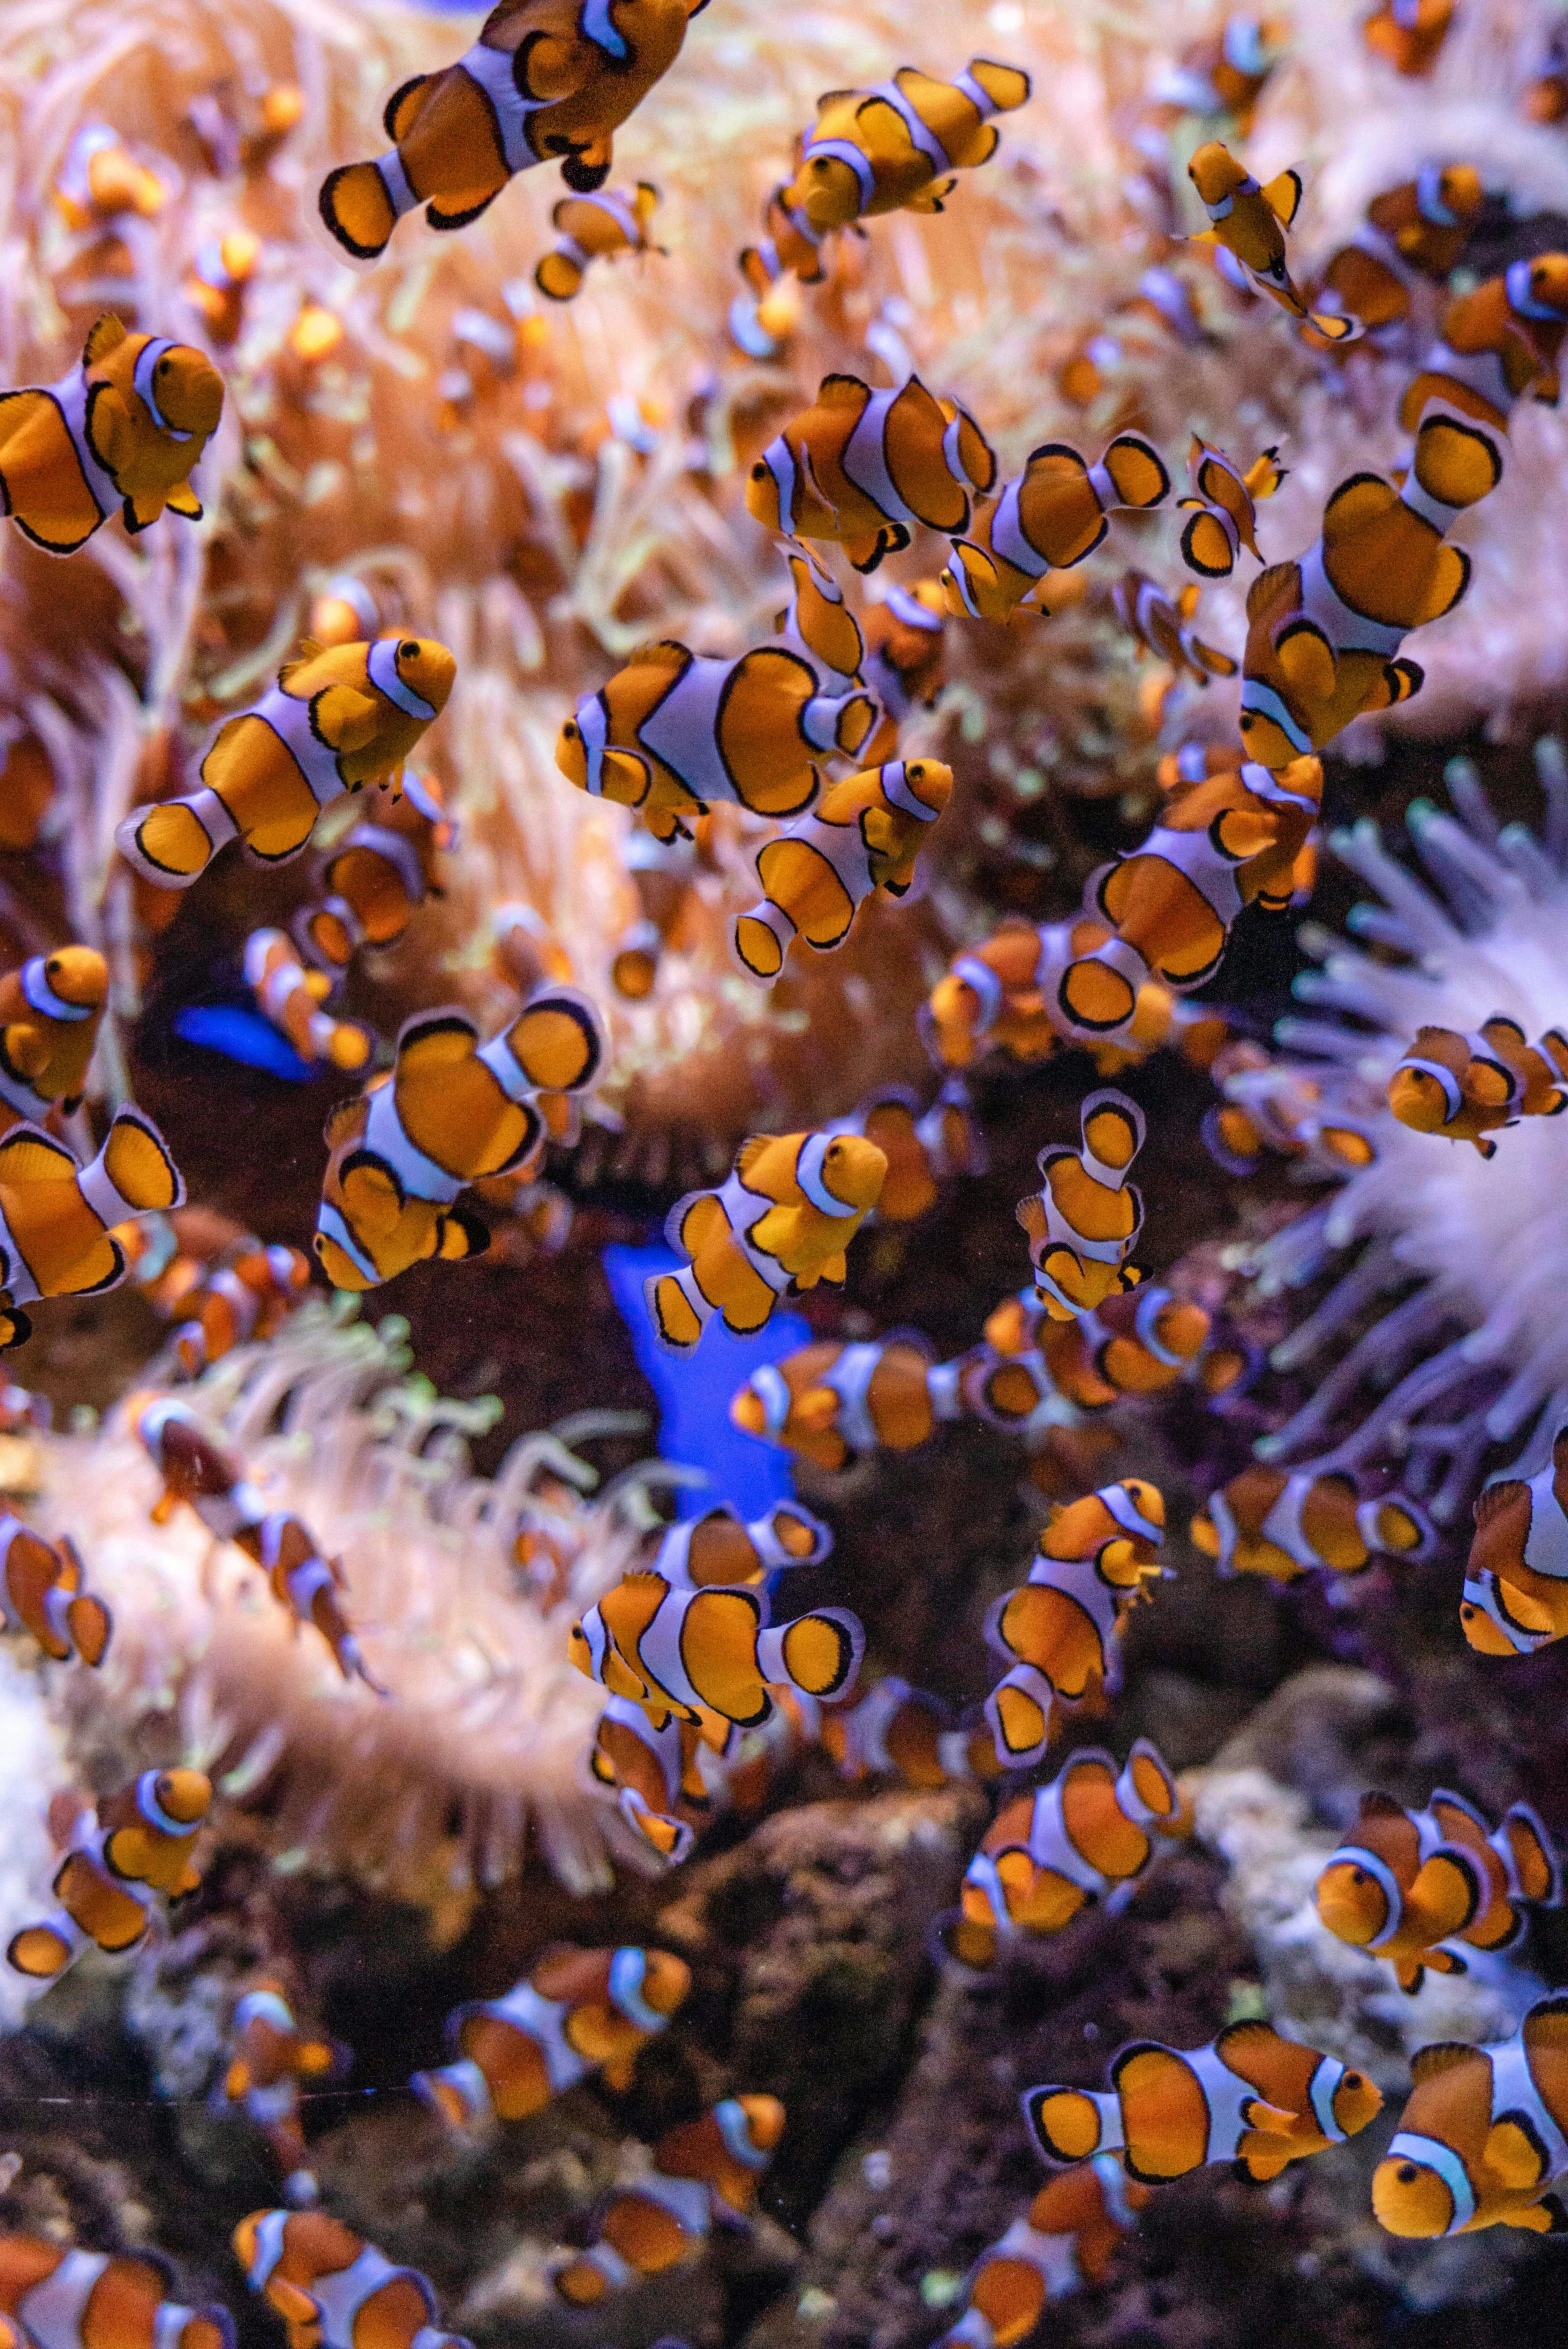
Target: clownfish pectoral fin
[(1138, 470), (867, 553), (372, 1195), (1283, 197), (1308, 660), (404, 105), (184, 502), (15, 1328), (104, 336), (462, 1234), (1271, 2119)]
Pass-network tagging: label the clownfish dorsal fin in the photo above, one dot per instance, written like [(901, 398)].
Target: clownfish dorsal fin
[(846, 391), (662, 652), (1283, 197), (1493, 1499), (1266, 587), (1444, 2055), (309, 649), (104, 337), (750, 1151), (436, 1037), (28, 1155)]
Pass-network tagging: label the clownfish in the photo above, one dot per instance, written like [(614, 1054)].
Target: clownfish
[(1224, 508), (1286, 1523), (1087, 1837), (247, 1291), (1408, 1884), (1407, 34), (450, 1112), (1226, 74), (1249, 222), (897, 147), (718, 1549), (1279, 1109), (1468, 1086), (684, 1653), (334, 2290), (897, 1731), (1141, 1343), (781, 1223), (62, 2298), (1483, 2140), (1162, 623), (923, 1149), (1067, 2239), (578, 2011), (378, 876), (662, 873), (675, 730), (1061, 1630), (123, 432), (827, 1400), (338, 718), (26, 789), (58, 1219), (666, 1780), (1516, 1577), (101, 179), (41, 1594), (704, 2173), (592, 228), (1003, 996), (1084, 1221), (220, 275), (116, 1876), (546, 79), (1049, 517), (1249, 2096), (270, 2057), (1496, 345), (50, 1013), (292, 998), (1417, 230), (863, 467), (862, 837), (904, 635)]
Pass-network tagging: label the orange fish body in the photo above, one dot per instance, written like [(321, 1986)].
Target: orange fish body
[(58, 2298), (1285, 1523), (41, 1594), (1516, 1578), (270, 2060), (1224, 509), (1417, 230), (593, 228), (861, 838), (1497, 344), (292, 998), (115, 1877), (691, 1653), (1141, 1343), (828, 1401), (896, 148), (667, 1781), (58, 1219), (923, 1149), (379, 875), (1248, 223), (1411, 1883), (1407, 34), (717, 1550), (1069, 2238), (221, 273), (1084, 1221), (1163, 625), (897, 1731), (1481, 2141), (247, 1291), (904, 634), (102, 180), (334, 2290), (704, 2171), (1468, 1086), (1046, 519), (1227, 74), (863, 467), (50, 1013)]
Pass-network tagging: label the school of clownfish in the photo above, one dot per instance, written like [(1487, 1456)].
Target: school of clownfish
[(707, 1697)]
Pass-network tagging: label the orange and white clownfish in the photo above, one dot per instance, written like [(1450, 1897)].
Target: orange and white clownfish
[(292, 998), (1086, 1838), (101, 179), (1002, 996), (1249, 2096), (1416, 230), (1285, 1523), (863, 467), (1267, 1107), (546, 79), (897, 147), (247, 1291), (593, 228), (334, 2290), (64, 2298), (896, 1731), (1482, 2142), (1066, 2240), (377, 877), (116, 1876), (1061, 1630), (781, 1223), (1407, 34), (1468, 1086), (1224, 509), (923, 1148), (449, 1112), (827, 1401), (270, 2057), (122, 433), (1084, 1221), (688, 1653), (1141, 1343), (674, 730), (339, 717), (718, 1549), (1163, 625), (1048, 518), (904, 633), (58, 1219), (1226, 74), (704, 2173), (50, 1013), (662, 873), (861, 838), (1407, 1885), (1516, 1578), (1496, 345), (667, 1781), (577, 2012), (42, 1594), (1248, 222), (222, 269)]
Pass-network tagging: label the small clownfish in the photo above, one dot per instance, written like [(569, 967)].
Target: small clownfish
[(1285, 1523), (1407, 34), (1224, 508), (1249, 2096), (1162, 623), (50, 1013), (687, 1653), (717, 1549), (1061, 1630), (922, 1149), (1249, 223), (904, 647), (781, 1223), (897, 148), (1481, 2142), (578, 2011), (26, 789), (1049, 517), (546, 79), (1066, 2240), (338, 718), (101, 179), (1141, 1343), (309, 1586), (791, 247), (675, 730), (862, 838), (270, 2058), (1468, 1086), (58, 1219), (592, 228), (862, 467), (450, 1113), (123, 432), (1516, 1577), (1278, 1109), (704, 2173), (248, 1291), (378, 876), (1496, 345), (115, 1876), (997, 996), (1408, 1884), (60, 2298), (1087, 1837), (662, 873), (526, 949), (292, 999), (220, 274), (666, 1781), (1226, 74), (896, 1731), (41, 1594), (1418, 229), (1084, 1221), (334, 2290), (828, 1401)]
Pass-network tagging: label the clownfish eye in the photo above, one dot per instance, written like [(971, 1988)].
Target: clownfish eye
[(758, 470), (1353, 2080), (408, 650), (1407, 2173), (570, 730)]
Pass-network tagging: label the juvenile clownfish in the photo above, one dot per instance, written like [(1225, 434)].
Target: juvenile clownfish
[(1227, 74), (1417, 230), (378, 876), (41, 1594), (592, 228), (116, 1876), (334, 2290), (662, 873), (862, 467), (669, 1779), (1408, 1884), (1049, 517), (897, 1731), (1407, 34), (827, 1400), (1249, 223), (1496, 345), (1066, 2240), (270, 2058), (451, 1112), (1516, 1578), (688, 1653), (61, 2298), (1061, 1630), (292, 999), (1285, 1524), (1084, 1221), (1281, 1109), (123, 432), (717, 1549), (1224, 509), (896, 148), (1466, 1087), (221, 271), (1482, 2142), (904, 635), (1163, 625), (577, 2012), (50, 1013), (101, 180), (1003, 996), (922, 1149), (1088, 1836), (861, 838), (704, 2172), (247, 1291), (58, 1219), (545, 79), (675, 730), (1249, 2096), (791, 248), (338, 718), (1141, 1343), (781, 1223)]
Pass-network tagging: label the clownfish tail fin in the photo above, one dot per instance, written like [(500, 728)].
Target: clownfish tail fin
[(818, 1654), (1071, 2124), (136, 1161), (558, 277), (359, 208)]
